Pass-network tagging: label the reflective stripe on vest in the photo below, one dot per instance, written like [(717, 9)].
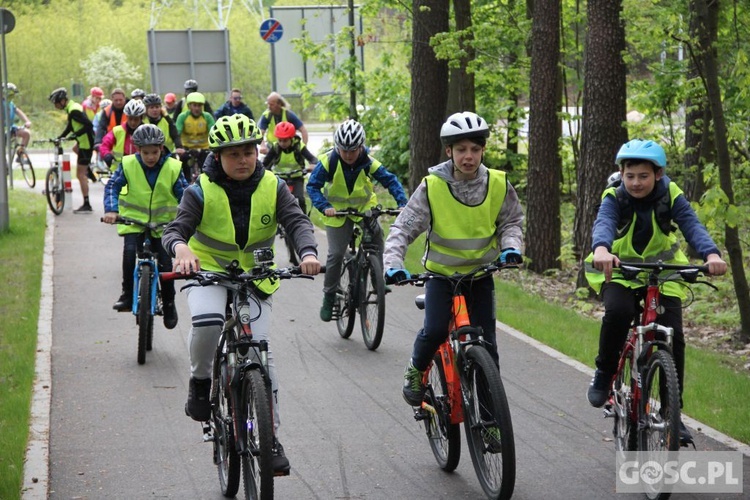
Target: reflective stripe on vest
[(336, 192), (462, 237), (143, 203), (214, 240)]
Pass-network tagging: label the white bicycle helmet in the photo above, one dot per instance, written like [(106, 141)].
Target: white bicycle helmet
[(349, 136), (134, 107), (464, 125)]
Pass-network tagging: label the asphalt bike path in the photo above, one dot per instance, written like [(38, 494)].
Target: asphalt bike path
[(118, 429)]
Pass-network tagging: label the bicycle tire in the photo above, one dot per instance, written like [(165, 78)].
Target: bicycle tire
[(625, 429), (372, 302), (444, 437), (145, 319), (257, 471), (54, 191), (158, 310), (226, 458), (486, 406), (344, 299), (659, 411), (27, 169)]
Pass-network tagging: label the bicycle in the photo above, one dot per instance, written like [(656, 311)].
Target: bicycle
[(361, 285), (241, 427), (54, 185), (100, 169), (645, 392), (17, 152), (280, 231), (463, 384), (192, 163), (147, 300)]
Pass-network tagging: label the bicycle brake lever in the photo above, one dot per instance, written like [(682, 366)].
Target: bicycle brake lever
[(709, 284)]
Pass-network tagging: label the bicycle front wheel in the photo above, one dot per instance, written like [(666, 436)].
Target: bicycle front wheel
[(344, 299), (54, 191), (257, 470), (445, 437), (27, 169), (225, 453), (625, 429), (372, 302), (489, 431), (145, 318)]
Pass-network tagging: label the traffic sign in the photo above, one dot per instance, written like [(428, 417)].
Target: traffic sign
[(271, 30), (7, 21)]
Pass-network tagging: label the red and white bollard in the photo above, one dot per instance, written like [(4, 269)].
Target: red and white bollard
[(67, 183)]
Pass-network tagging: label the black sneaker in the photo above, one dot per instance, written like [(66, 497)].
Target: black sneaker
[(170, 315), (83, 209), (598, 392), (124, 303), (279, 462), (685, 437), (198, 406)]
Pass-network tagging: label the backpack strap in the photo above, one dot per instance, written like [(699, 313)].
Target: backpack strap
[(662, 211)]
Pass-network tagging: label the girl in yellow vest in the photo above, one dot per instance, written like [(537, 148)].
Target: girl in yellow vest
[(118, 142), (343, 179), (472, 217), (147, 186), (641, 238), (233, 207)]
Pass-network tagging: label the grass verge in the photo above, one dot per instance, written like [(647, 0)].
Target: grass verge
[(22, 248)]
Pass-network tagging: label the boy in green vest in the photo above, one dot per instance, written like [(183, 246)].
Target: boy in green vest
[(233, 207), (629, 227), (472, 217), (343, 179), (147, 186)]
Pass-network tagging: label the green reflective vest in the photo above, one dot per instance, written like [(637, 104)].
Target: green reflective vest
[(291, 161), (141, 202), (336, 192), (270, 131), (83, 139), (214, 240), (164, 127), (661, 247), (462, 237)]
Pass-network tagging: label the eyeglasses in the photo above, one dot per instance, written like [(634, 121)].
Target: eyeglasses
[(236, 97)]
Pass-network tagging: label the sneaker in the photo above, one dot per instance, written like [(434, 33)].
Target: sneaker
[(598, 392), (326, 311), (279, 462), (413, 389), (491, 437), (170, 315), (124, 303), (685, 437), (387, 289), (198, 406), (83, 209)]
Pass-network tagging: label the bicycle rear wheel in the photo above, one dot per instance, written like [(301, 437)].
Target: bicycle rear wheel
[(145, 318), (27, 169), (344, 299), (487, 422), (372, 302), (445, 437), (625, 429), (54, 191), (226, 458), (257, 471), (659, 412)]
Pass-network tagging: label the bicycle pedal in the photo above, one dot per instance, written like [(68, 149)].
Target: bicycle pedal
[(608, 412), (207, 434), (421, 414)]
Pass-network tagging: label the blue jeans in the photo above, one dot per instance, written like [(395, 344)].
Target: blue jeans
[(480, 299)]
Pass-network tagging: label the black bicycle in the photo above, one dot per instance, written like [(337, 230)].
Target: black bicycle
[(17, 152), (361, 285), (241, 426)]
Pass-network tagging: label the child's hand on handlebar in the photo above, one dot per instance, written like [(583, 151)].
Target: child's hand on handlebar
[(330, 212), (310, 265), (605, 261), (110, 217), (716, 266), (185, 261)]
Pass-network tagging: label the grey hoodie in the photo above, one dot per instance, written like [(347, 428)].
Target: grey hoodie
[(416, 216)]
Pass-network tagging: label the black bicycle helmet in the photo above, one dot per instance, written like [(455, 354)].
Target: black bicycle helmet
[(152, 100), (58, 95), (191, 86), (349, 136), (148, 135), (465, 125), (233, 131)]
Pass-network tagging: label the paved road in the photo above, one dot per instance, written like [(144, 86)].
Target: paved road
[(118, 429)]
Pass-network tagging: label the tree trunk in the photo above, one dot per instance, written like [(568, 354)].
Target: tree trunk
[(604, 112), (545, 166), (461, 95), (429, 88), (732, 241)]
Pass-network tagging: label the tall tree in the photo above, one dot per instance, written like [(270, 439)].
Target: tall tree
[(545, 165), (429, 88), (604, 115), (731, 236), (461, 94)]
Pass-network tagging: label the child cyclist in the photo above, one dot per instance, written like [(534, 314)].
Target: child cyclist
[(472, 217), (287, 156), (343, 179), (147, 186), (630, 227), (233, 207)]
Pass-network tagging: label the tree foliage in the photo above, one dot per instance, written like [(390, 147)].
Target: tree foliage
[(109, 67)]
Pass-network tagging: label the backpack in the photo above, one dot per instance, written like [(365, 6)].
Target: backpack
[(662, 210)]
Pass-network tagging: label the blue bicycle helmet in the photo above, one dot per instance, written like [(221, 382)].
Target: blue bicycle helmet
[(638, 149)]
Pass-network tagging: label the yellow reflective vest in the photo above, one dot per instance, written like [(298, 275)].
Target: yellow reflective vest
[(336, 192), (83, 139), (270, 135)]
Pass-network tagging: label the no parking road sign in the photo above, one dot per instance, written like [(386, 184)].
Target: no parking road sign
[(271, 30)]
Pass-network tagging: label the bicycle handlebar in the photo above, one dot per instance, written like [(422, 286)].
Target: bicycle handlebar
[(235, 277), (421, 278), (688, 272), (375, 211), (154, 226)]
